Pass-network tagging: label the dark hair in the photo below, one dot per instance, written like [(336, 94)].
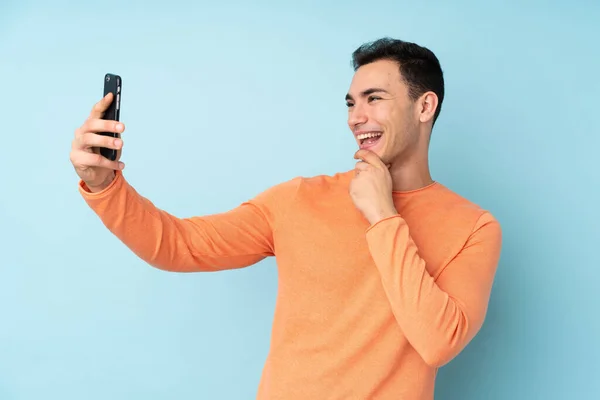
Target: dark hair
[(419, 67)]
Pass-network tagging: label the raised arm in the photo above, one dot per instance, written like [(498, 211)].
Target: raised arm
[(233, 239)]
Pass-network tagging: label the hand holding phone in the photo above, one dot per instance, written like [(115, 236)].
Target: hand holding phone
[(96, 147)]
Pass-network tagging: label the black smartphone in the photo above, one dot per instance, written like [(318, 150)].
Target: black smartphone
[(112, 84)]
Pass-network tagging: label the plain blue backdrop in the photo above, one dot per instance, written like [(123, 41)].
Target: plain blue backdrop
[(224, 99)]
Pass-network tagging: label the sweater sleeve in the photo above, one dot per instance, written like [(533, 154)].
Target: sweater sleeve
[(233, 239), (439, 316)]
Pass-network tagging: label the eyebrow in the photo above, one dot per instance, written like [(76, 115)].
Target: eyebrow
[(367, 92)]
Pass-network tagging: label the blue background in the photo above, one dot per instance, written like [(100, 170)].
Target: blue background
[(221, 103)]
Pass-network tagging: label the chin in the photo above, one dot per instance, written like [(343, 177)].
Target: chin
[(382, 153)]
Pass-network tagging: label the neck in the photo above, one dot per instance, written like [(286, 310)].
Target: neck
[(411, 173)]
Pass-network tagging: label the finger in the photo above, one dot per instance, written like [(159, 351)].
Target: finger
[(101, 125), (369, 157), (81, 158), (91, 139), (101, 106), (362, 166)]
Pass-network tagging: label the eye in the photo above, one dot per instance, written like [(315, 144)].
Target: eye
[(373, 98), (348, 104)]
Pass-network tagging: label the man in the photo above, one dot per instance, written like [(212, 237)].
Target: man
[(384, 273)]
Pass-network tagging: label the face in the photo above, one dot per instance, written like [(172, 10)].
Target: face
[(381, 115)]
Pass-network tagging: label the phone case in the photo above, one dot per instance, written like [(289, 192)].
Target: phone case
[(112, 83)]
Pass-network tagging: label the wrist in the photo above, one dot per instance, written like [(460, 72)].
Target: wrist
[(103, 185), (382, 214)]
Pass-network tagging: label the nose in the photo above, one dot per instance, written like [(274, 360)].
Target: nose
[(356, 116)]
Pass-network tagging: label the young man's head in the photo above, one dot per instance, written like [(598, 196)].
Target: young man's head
[(395, 98)]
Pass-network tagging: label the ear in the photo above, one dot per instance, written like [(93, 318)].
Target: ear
[(427, 105)]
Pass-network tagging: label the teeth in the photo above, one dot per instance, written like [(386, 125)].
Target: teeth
[(364, 136)]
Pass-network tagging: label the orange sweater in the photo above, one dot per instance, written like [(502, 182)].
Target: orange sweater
[(362, 312)]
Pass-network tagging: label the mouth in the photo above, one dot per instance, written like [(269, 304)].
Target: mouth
[(369, 139)]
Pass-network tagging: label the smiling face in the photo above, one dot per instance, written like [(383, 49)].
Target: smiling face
[(381, 114)]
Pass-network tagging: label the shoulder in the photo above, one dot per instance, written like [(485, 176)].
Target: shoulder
[(445, 224), (279, 198), (475, 220), (444, 213), (316, 183), (287, 191)]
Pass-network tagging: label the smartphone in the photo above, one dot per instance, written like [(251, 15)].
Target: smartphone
[(112, 84)]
